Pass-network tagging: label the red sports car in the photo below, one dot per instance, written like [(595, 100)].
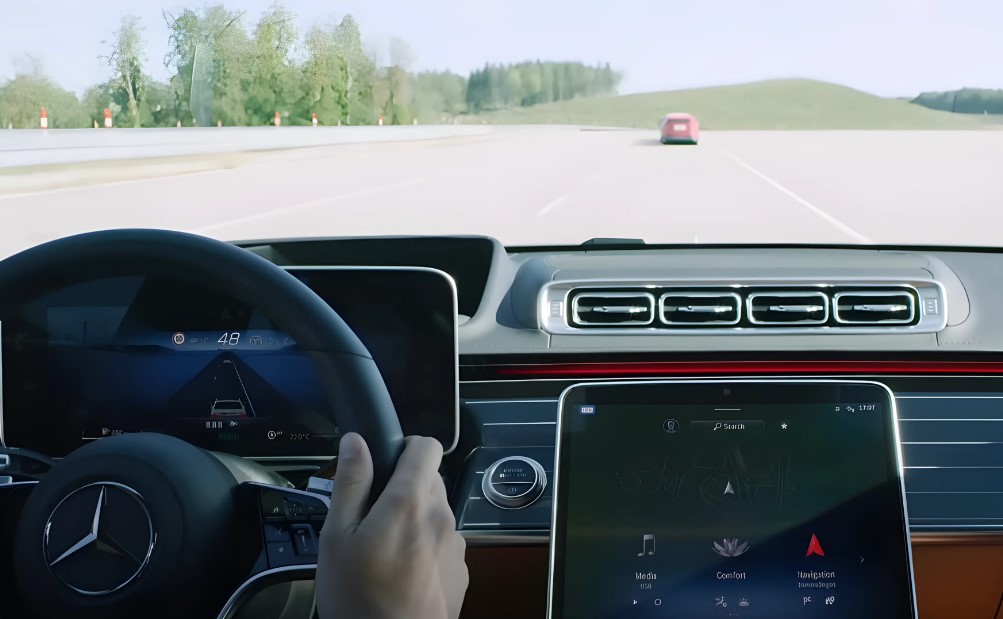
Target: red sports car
[(680, 128)]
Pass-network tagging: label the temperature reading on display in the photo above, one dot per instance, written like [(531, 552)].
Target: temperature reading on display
[(868, 407), (229, 339), (299, 436)]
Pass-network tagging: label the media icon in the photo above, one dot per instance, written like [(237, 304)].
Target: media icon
[(646, 540), (814, 547), (731, 547), (830, 601), (255, 340)]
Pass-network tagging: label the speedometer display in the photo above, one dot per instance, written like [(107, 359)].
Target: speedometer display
[(140, 354)]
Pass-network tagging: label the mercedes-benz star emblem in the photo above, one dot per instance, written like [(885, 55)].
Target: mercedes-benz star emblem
[(99, 538)]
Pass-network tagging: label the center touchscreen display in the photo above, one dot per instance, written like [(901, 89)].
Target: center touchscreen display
[(693, 500)]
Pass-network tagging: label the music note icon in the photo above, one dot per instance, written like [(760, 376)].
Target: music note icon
[(648, 537)]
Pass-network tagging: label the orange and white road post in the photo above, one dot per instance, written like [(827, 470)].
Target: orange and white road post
[(278, 120), (219, 124), (314, 119), (107, 118), (44, 119), (381, 120)]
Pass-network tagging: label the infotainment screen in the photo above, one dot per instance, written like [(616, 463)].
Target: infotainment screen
[(694, 500), (146, 354)]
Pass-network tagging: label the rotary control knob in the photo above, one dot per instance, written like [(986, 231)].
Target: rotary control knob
[(514, 482)]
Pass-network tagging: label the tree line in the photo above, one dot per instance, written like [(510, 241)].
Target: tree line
[(226, 69), (964, 101)]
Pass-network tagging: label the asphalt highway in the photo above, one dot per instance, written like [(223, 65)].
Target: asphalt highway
[(533, 185)]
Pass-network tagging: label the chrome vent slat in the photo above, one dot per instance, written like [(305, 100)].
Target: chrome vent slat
[(632, 309), (797, 309)]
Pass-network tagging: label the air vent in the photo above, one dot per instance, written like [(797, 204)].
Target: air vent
[(613, 309), (788, 308), (874, 307), (700, 309)]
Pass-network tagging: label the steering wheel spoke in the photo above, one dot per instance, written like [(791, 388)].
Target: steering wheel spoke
[(291, 522)]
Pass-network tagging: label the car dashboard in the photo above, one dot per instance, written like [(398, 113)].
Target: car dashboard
[(532, 322)]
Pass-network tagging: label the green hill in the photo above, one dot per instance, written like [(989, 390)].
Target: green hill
[(767, 105)]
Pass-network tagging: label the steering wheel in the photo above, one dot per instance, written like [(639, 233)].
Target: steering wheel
[(146, 524)]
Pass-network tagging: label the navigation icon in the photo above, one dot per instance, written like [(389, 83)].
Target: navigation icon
[(814, 547), (728, 489)]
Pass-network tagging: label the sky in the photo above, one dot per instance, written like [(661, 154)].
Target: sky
[(886, 47)]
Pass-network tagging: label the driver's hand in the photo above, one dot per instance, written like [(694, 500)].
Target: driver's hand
[(404, 559)]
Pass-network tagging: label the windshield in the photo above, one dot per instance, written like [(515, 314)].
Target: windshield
[(859, 122)]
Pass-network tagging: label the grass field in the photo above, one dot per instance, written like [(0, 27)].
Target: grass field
[(768, 105)]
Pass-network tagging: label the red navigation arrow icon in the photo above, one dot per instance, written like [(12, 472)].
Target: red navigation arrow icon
[(814, 548)]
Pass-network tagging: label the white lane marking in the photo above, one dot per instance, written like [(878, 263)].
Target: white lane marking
[(790, 194), (307, 205), (552, 205)]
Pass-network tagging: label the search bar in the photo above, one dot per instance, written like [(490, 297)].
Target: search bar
[(729, 426)]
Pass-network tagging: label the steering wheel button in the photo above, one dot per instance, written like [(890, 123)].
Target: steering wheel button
[(281, 554), (276, 533), (304, 540), (272, 504), (295, 509), (315, 510)]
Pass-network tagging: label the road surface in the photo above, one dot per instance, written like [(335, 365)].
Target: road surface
[(562, 185)]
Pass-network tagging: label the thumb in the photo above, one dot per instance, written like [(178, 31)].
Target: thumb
[(352, 483)]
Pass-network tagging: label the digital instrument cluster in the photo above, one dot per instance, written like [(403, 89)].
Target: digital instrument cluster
[(144, 354)]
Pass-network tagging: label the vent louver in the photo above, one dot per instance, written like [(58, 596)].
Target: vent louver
[(739, 308), (613, 309), (708, 309), (788, 308), (874, 307)]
